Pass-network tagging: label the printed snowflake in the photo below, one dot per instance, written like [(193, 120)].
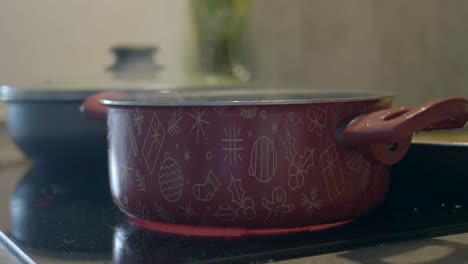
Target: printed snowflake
[(188, 210), (187, 155), (310, 201), (232, 149), (199, 122), (138, 120)]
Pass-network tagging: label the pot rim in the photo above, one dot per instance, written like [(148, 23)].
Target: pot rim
[(457, 144), (446, 138), (440, 143), (242, 97)]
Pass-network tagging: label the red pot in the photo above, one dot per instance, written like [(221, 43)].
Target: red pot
[(257, 164)]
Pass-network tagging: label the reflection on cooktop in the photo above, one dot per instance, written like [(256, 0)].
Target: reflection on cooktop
[(63, 211), (134, 245), (67, 213)]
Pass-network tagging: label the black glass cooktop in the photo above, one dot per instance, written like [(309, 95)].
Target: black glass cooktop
[(67, 214)]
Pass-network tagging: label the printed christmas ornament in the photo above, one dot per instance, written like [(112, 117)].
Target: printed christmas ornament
[(263, 160), (171, 181)]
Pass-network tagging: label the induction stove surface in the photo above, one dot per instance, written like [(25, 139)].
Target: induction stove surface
[(64, 214)]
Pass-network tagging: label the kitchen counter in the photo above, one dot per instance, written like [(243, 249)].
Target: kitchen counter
[(14, 167)]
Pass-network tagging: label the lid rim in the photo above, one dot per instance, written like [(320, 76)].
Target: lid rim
[(326, 97), (21, 93), (9, 94)]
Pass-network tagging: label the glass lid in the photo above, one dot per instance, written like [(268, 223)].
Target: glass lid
[(238, 96)]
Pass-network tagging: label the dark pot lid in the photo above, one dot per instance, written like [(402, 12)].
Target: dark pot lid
[(8, 93), (80, 93)]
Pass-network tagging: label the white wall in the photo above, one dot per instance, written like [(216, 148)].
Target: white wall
[(69, 41), (418, 48)]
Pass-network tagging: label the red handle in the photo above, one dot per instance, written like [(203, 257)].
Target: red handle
[(93, 108), (386, 135)]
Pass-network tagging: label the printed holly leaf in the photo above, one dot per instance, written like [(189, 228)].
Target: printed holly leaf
[(225, 214), (237, 192), (306, 160), (290, 148)]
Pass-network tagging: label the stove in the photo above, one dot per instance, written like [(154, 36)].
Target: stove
[(61, 214)]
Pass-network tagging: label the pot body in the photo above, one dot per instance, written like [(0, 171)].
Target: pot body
[(246, 166), (56, 131)]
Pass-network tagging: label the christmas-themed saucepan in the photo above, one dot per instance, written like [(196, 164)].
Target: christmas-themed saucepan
[(257, 162)]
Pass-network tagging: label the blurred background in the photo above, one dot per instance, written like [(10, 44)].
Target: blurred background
[(417, 49)]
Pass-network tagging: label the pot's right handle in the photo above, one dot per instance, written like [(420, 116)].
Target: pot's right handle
[(386, 135), (94, 109)]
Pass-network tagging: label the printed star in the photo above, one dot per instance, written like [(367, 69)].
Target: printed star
[(138, 120), (187, 155), (156, 135), (188, 210), (311, 202), (199, 122)]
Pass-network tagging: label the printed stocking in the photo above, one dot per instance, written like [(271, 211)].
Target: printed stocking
[(205, 191)]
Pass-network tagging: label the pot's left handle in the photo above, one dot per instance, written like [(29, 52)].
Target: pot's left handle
[(94, 109), (386, 135)]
